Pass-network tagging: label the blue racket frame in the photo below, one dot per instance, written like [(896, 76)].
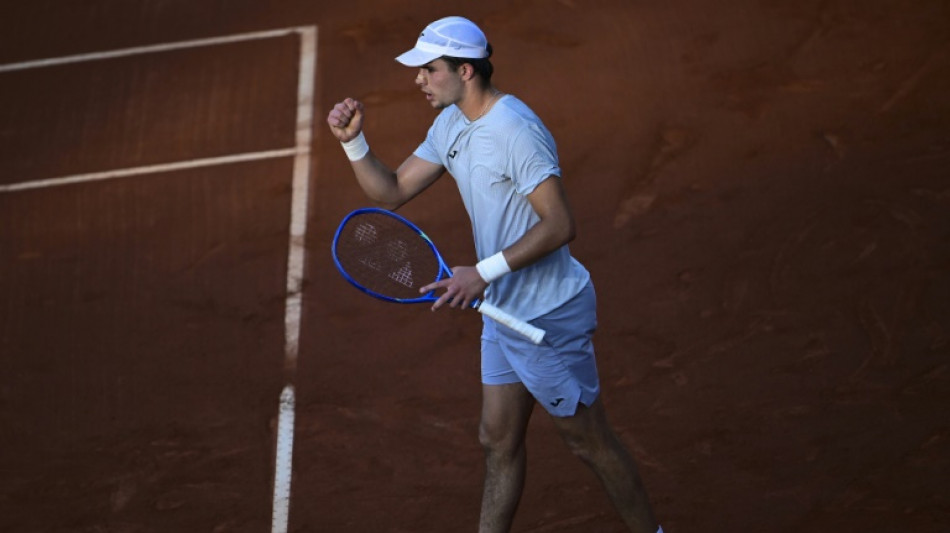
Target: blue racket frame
[(443, 268), (533, 333)]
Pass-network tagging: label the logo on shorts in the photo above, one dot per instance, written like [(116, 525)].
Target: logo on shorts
[(557, 402)]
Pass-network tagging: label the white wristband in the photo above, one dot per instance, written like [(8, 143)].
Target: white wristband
[(356, 148), (492, 268)]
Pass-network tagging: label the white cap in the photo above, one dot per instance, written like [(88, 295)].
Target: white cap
[(450, 36)]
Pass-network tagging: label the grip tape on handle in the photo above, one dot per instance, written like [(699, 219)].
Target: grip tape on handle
[(536, 335)]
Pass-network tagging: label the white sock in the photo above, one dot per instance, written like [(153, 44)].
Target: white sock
[(659, 529)]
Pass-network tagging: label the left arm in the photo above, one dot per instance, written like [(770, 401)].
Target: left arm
[(554, 229)]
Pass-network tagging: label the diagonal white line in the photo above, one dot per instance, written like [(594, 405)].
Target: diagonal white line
[(150, 49), (149, 169)]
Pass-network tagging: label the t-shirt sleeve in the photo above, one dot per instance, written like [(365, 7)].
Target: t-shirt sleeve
[(427, 150), (533, 158), (430, 148)]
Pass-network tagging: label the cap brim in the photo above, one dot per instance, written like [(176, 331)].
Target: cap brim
[(417, 58)]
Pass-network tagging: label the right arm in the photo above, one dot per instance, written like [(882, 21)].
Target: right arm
[(386, 188)]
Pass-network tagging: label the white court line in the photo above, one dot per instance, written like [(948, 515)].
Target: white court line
[(150, 49), (149, 169), (283, 466), (301, 181), (298, 221), (295, 271)]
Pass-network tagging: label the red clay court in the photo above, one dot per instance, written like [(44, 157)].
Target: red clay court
[(762, 191)]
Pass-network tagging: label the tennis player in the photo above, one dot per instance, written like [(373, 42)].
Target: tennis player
[(505, 164)]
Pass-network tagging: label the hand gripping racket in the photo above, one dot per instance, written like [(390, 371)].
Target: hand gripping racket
[(390, 258)]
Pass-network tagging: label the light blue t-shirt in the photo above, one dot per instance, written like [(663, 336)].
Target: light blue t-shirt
[(496, 161)]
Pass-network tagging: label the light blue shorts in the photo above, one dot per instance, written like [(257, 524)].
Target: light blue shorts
[(560, 372)]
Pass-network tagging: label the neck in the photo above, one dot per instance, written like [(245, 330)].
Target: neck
[(479, 103)]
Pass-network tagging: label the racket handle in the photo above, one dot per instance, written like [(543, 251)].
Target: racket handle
[(522, 327)]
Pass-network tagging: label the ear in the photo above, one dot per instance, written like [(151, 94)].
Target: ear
[(468, 71)]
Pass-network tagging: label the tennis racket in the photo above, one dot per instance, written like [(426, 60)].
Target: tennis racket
[(390, 258)]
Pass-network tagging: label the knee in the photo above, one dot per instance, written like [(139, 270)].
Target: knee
[(497, 439), (592, 444)]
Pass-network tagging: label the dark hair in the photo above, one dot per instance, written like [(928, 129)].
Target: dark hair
[(482, 67)]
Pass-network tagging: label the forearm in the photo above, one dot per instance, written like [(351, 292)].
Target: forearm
[(542, 239), (378, 182), (383, 186), (554, 229)]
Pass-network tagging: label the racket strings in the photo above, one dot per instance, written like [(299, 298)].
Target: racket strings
[(385, 256)]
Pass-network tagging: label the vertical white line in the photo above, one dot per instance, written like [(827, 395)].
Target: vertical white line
[(301, 182), (295, 271), (285, 451)]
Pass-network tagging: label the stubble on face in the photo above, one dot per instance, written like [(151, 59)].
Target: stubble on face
[(440, 84)]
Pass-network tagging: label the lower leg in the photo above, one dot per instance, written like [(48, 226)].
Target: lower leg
[(621, 479), (504, 482), (590, 438), (506, 410)]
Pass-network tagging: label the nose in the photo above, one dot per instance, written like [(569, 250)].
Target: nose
[(420, 77)]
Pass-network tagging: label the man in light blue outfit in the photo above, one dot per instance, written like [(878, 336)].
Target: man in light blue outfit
[(505, 163)]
